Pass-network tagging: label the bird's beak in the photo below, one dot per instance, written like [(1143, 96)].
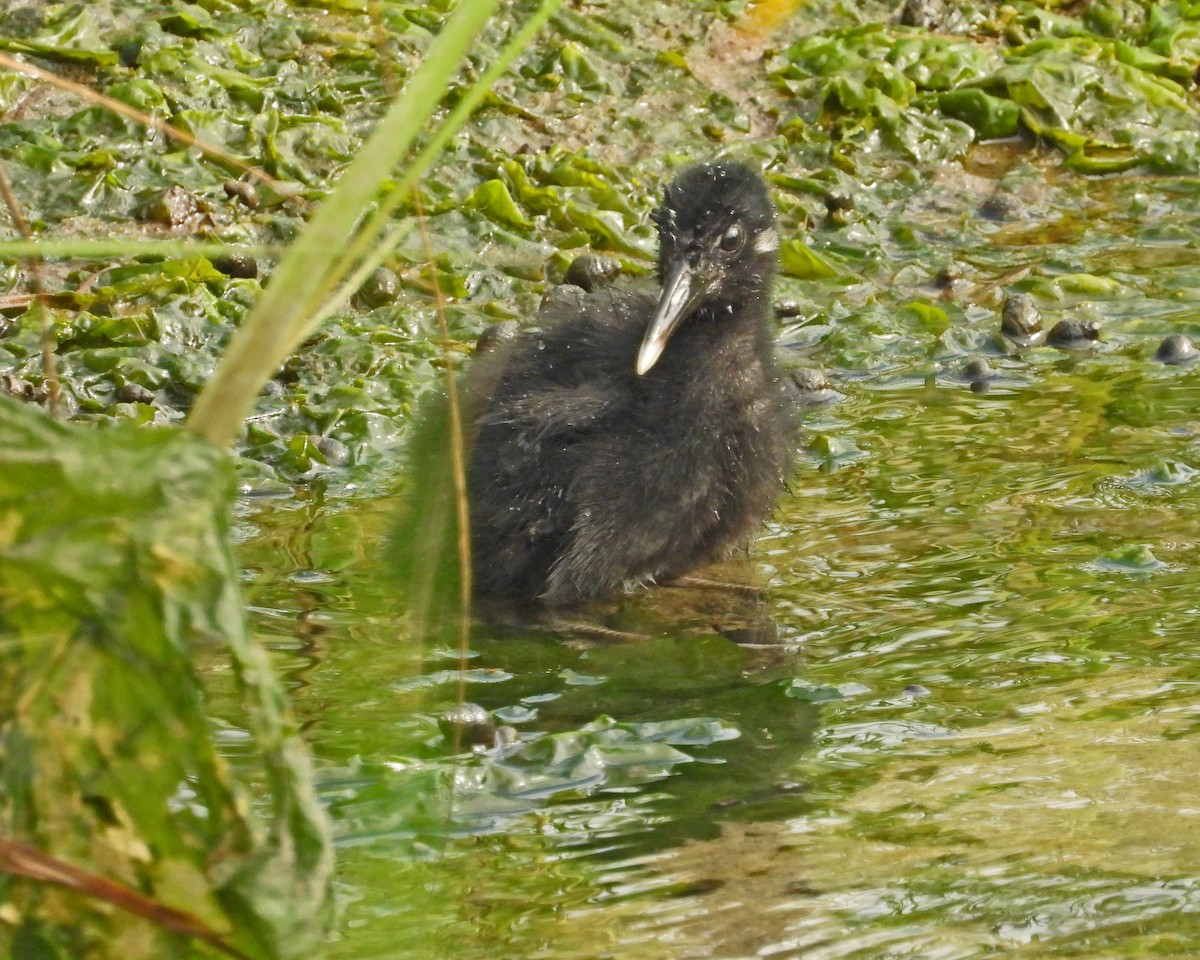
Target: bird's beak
[(681, 289)]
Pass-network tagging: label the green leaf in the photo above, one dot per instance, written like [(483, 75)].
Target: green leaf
[(813, 693), (115, 570), (493, 200), (933, 319), (991, 117), (797, 260)]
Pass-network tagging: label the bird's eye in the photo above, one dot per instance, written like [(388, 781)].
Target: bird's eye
[(732, 239)]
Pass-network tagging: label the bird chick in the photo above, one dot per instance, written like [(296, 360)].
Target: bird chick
[(630, 438)]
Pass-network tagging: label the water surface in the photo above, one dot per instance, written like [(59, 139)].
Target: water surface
[(966, 728)]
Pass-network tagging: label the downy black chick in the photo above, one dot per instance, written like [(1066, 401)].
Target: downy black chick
[(630, 438)]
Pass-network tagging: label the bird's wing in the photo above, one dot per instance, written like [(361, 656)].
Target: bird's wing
[(552, 411), (568, 375)]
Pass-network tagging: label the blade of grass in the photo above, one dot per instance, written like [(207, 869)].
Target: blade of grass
[(280, 319), (365, 250), (81, 249)]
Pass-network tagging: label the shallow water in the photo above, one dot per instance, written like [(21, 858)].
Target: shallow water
[(971, 732), (958, 721)]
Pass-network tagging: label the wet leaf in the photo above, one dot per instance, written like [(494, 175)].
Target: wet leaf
[(989, 116), (933, 319), (493, 200), (797, 260), (1132, 559), (812, 693)]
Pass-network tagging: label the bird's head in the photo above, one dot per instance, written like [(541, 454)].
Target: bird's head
[(717, 245)]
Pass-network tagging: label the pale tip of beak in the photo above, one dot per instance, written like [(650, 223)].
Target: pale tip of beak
[(648, 356)]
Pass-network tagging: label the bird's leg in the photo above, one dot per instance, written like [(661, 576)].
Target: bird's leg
[(751, 590), (589, 631), (523, 617)]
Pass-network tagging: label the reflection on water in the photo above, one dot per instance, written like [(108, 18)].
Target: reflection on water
[(968, 729)]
